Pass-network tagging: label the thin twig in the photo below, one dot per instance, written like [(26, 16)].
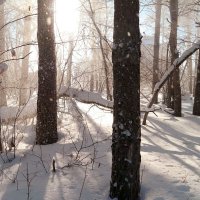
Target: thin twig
[(83, 182)]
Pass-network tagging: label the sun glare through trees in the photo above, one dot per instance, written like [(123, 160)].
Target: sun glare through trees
[(99, 99)]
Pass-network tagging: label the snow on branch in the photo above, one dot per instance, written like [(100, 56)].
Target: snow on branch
[(85, 96), (92, 97), (186, 54), (9, 114)]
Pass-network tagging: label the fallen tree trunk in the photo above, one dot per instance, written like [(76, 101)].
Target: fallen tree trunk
[(9, 114), (85, 96), (93, 98), (186, 54), (13, 113)]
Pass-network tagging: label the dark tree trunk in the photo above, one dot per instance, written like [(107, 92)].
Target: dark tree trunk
[(125, 178), (189, 62), (174, 54), (169, 95), (190, 82), (156, 46), (46, 129), (1, 144), (196, 107), (195, 72)]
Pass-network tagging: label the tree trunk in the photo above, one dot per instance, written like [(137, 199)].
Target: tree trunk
[(196, 107), (156, 46), (1, 144), (189, 63), (23, 96), (190, 76), (3, 100), (46, 128), (177, 93), (69, 67), (125, 177), (174, 54), (169, 72), (195, 71), (169, 95)]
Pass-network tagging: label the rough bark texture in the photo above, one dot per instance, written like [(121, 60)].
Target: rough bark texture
[(125, 177), (156, 46), (46, 129), (196, 107), (190, 82), (174, 55), (169, 95), (195, 72), (1, 144)]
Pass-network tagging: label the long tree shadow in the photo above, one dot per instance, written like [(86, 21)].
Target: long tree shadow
[(68, 181), (159, 187), (167, 134), (167, 141)]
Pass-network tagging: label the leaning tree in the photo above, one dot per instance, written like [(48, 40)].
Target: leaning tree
[(196, 107), (125, 177), (46, 128)]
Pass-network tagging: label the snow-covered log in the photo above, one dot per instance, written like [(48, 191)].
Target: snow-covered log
[(85, 96), (169, 72), (11, 113), (95, 98)]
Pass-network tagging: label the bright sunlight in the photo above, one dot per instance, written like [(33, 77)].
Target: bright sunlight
[(67, 15)]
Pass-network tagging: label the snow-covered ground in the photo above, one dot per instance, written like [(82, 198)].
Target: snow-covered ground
[(170, 168)]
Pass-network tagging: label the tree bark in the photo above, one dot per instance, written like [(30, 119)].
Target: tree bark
[(1, 142), (3, 100), (46, 128), (196, 107), (125, 176), (156, 46), (174, 54), (190, 81)]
